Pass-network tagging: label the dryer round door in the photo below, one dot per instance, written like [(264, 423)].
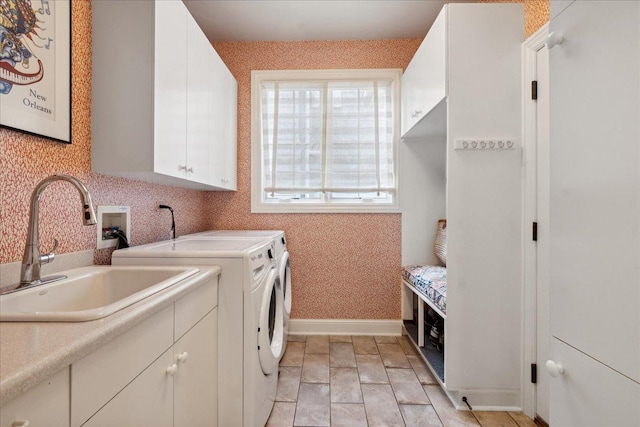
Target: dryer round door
[(285, 277), (270, 330)]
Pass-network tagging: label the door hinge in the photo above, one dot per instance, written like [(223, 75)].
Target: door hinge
[(534, 373), (534, 89), (535, 232)]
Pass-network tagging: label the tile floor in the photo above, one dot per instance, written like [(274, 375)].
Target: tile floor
[(367, 381)]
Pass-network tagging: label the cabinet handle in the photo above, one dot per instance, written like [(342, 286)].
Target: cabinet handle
[(554, 369), (190, 169), (20, 423), (182, 167), (553, 40), (182, 357), (416, 113), (171, 370)]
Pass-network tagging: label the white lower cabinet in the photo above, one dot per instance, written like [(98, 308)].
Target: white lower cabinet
[(590, 393), (45, 405), (178, 389), (146, 401), (195, 398), (163, 372)]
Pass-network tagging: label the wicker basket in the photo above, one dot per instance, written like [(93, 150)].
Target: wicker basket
[(440, 246)]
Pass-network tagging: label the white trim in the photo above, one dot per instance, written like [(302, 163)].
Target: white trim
[(257, 76), (486, 400), (529, 48), (344, 327)]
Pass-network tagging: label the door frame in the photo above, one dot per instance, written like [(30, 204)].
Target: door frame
[(529, 207)]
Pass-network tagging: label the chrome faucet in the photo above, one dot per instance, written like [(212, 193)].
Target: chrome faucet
[(32, 259)]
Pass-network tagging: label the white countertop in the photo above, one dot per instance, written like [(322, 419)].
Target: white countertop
[(31, 352)]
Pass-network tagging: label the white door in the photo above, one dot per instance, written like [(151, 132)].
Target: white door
[(170, 89), (270, 328), (595, 214), (284, 271), (285, 277), (198, 116), (196, 382), (145, 401), (542, 245)]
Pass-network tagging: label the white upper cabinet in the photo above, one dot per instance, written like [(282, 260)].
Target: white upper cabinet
[(424, 83), (199, 77), (157, 115), (170, 89), (223, 126)]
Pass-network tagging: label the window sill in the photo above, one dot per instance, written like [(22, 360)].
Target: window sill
[(364, 208)]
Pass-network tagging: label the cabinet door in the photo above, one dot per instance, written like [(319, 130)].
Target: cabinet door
[(223, 104), (230, 119), (146, 401), (45, 405), (589, 393), (216, 123), (99, 376), (424, 81), (196, 383), (170, 88), (595, 183), (198, 77)]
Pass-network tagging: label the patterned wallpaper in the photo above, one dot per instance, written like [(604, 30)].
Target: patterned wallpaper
[(26, 159), (536, 13), (343, 266)]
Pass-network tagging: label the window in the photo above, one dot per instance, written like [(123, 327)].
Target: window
[(324, 140)]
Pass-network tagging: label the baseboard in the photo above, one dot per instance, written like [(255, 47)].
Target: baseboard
[(487, 400), (344, 327)]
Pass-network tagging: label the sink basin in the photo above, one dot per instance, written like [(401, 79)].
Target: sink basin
[(89, 293)]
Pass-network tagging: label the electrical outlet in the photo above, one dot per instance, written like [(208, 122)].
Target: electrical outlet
[(486, 144)]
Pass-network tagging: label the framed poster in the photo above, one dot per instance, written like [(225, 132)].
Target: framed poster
[(35, 67)]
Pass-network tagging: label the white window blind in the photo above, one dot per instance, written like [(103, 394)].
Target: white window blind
[(327, 137)]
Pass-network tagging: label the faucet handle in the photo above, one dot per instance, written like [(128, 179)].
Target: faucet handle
[(46, 259)]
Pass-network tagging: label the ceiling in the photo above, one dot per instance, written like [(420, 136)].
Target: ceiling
[(286, 20)]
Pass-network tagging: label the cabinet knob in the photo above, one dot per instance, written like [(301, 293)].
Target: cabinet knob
[(20, 423), (553, 40), (416, 113), (183, 357), (171, 370), (554, 369)]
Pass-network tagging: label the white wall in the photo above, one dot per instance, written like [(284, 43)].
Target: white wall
[(422, 182), (484, 202)]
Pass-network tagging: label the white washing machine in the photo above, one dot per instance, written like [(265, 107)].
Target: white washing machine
[(282, 260), (250, 317)]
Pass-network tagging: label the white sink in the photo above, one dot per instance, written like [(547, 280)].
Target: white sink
[(89, 293)]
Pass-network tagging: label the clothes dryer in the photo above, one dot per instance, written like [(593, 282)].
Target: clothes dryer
[(282, 261), (250, 317)]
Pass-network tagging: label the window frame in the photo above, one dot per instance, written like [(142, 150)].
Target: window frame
[(258, 205)]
